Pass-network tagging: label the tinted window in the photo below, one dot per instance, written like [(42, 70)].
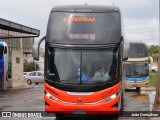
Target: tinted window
[(30, 74), (5, 50), (83, 27), (34, 74), (137, 69), (1, 51), (87, 66), (39, 74), (99, 65), (65, 65), (137, 50)]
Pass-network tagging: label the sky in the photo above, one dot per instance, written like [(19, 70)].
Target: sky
[(140, 17)]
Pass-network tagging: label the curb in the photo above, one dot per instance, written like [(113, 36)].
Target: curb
[(19, 88)]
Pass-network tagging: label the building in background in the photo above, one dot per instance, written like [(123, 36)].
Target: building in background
[(19, 39), (24, 45), (18, 44), (29, 58)]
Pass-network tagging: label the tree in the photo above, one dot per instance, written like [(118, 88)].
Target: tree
[(153, 51), (31, 66)]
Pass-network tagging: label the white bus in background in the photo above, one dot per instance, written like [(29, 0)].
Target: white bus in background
[(3, 65), (137, 66)]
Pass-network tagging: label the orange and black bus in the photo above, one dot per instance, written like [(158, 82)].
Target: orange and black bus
[(84, 49)]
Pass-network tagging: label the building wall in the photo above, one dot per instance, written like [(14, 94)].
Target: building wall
[(17, 69)]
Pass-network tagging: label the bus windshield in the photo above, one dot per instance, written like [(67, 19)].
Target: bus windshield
[(78, 28), (137, 50), (137, 69), (81, 66)]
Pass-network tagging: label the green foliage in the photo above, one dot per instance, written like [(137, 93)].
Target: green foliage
[(31, 66), (153, 51), (155, 57), (153, 79)]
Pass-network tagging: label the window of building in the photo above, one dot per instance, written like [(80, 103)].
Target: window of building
[(17, 60)]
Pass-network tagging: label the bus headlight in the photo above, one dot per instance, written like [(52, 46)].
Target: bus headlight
[(112, 96), (50, 96)]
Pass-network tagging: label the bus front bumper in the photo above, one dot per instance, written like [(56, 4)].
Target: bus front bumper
[(137, 84), (109, 107)]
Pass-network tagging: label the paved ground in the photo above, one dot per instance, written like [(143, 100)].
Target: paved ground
[(26, 100)]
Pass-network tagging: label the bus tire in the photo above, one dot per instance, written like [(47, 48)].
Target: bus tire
[(107, 117), (138, 89), (29, 82), (59, 116), (36, 83), (122, 103)]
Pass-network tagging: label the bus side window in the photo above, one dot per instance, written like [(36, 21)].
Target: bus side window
[(5, 50), (1, 51)]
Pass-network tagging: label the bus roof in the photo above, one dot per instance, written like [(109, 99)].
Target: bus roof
[(106, 30), (3, 43), (84, 8)]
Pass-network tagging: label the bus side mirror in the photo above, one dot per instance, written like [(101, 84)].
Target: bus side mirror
[(124, 59), (35, 49), (126, 47)]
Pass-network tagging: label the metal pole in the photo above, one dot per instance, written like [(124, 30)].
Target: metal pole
[(35, 65), (156, 102)]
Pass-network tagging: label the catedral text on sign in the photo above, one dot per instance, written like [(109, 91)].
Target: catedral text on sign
[(80, 19)]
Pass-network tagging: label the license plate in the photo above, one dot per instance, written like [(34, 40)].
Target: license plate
[(79, 111)]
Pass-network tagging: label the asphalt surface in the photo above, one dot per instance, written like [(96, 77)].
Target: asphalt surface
[(31, 99)]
